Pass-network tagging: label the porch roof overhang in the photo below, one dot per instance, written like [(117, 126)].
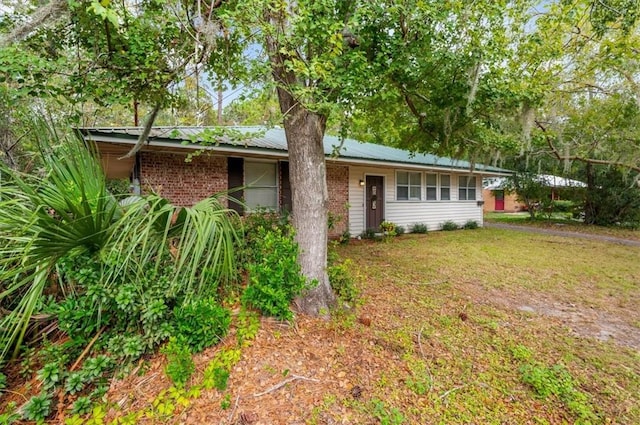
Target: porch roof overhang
[(114, 143)]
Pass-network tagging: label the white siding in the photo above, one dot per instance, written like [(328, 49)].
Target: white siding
[(406, 213)]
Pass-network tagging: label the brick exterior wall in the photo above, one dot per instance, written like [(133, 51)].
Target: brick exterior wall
[(511, 203), (338, 188), (183, 183)]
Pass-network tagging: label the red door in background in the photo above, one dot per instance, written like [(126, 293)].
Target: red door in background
[(499, 196)]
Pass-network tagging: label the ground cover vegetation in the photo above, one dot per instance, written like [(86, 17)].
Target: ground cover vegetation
[(502, 340), (548, 85), (90, 282)]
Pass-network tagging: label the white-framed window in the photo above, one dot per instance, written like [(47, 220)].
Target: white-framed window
[(445, 187), (261, 185), (408, 186), (432, 186), (467, 188)]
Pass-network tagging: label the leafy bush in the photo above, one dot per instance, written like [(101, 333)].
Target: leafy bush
[(419, 228), (9, 414), (342, 281), (121, 268), (470, 225), (399, 230), (95, 367), (449, 225), (37, 408), (3, 382), (75, 382), (274, 277), (612, 200), (388, 228), (563, 206), (201, 323), (180, 365), (220, 378), (119, 187), (255, 224)]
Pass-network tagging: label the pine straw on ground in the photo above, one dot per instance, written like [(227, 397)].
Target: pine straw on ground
[(431, 342)]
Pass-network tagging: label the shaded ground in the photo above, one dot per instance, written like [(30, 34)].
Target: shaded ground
[(434, 341)]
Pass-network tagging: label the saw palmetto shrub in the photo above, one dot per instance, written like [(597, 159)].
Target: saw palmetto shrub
[(102, 277)]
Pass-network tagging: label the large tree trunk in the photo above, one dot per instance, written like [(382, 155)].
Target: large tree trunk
[(307, 172), (305, 132)]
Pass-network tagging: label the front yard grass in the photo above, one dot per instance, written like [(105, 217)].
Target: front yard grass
[(465, 356), (485, 326)]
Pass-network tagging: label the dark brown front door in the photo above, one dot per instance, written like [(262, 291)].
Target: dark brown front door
[(374, 202)]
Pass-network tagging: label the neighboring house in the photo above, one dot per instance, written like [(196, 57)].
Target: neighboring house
[(496, 198), (367, 183)]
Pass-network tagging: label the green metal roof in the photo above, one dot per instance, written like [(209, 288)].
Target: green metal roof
[(274, 140)]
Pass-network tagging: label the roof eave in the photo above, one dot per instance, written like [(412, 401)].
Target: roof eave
[(177, 143)]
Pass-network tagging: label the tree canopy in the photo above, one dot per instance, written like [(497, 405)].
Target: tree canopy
[(481, 80)]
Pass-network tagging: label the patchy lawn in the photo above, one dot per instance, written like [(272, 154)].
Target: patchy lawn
[(474, 326)]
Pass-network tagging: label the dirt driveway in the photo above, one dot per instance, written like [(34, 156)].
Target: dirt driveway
[(565, 233)]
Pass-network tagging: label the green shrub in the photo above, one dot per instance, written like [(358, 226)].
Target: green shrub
[(201, 323), (342, 281), (419, 228), (37, 408), (95, 367), (9, 414), (449, 225), (274, 277), (470, 225), (400, 230), (3, 382), (119, 187), (563, 206), (75, 382), (255, 224), (180, 365), (140, 306), (388, 228)]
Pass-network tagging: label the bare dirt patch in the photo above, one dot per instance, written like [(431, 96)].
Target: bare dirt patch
[(616, 325)]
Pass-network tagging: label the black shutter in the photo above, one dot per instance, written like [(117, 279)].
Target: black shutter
[(235, 170), (286, 203)]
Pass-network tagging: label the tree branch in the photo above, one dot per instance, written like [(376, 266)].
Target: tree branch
[(49, 12), (148, 124), (556, 153), (285, 382)]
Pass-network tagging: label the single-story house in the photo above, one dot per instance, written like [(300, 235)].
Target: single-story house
[(497, 199), (367, 183)]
